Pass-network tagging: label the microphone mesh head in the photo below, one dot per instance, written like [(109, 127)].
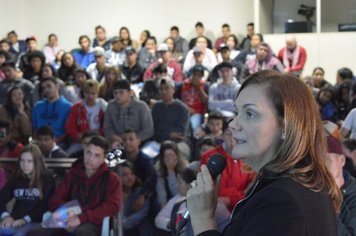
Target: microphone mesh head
[(216, 164)]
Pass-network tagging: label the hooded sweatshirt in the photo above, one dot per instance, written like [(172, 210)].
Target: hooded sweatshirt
[(29, 204), (76, 185), (78, 121), (136, 116)]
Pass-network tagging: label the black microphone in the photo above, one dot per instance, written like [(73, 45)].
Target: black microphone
[(216, 164)]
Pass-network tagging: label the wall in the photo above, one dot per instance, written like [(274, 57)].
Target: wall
[(328, 50), (334, 12), (284, 10), (71, 18)]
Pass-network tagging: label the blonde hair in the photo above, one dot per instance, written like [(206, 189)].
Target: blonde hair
[(104, 88), (90, 83), (302, 152)]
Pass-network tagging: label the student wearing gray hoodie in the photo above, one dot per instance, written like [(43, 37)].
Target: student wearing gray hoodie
[(126, 112)]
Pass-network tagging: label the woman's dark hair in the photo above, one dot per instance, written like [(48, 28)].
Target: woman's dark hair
[(148, 33), (318, 68), (346, 85), (170, 145), (130, 166), (129, 41), (174, 43), (10, 107), (345, 73), (235, 40), (50, 66)]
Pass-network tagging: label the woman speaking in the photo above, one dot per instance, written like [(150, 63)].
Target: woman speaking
[(278, 132)]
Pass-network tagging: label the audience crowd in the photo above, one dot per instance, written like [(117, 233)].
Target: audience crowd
[(165, 105)]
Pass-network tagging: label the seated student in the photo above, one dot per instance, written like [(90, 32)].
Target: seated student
[(8, 147), (168, 164), (37, 61), (46, 71), (67, 68), (52, 111), (264, 60), (18, 113), (97, 69), (194, 93), (85, 55), (74, 92), (87, 135), (222, 94), (132, 70), (142, 164), (31, 186), (100, 38), (24, 58), (126, 112), (135, 211), (170, 116), (12, 79), (335, 160), (326, 101), (4, 56), (169, 217), (174, 70), (213, 128), (200, 54), (234, 180), (149, 92), (17, 46), (47, 143), (238, 69), (96, 188), (149, 53), (106, 90), (85, 115), (51, 49), (116, 56)]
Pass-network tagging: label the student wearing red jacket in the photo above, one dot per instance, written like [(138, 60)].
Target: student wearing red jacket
[(85, 115), (234, 180), (96, 188)]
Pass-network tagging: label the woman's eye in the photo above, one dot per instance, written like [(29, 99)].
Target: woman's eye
[(250, 114)]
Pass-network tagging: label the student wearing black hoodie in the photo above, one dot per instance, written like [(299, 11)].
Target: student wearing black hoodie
[(30, 186)]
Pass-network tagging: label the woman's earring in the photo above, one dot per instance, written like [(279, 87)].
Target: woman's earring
[(283, 136)]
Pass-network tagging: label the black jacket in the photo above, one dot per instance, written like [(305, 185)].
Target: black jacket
[(346, 219), (281, 206), (28, 202)]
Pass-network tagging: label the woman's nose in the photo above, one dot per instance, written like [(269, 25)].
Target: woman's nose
[(235, 124)]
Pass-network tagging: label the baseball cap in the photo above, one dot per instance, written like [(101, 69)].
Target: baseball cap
[(334, 145), (99, 51), (223, 46), (197, 50), (163, 47), (169, 82), (130, 50)]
